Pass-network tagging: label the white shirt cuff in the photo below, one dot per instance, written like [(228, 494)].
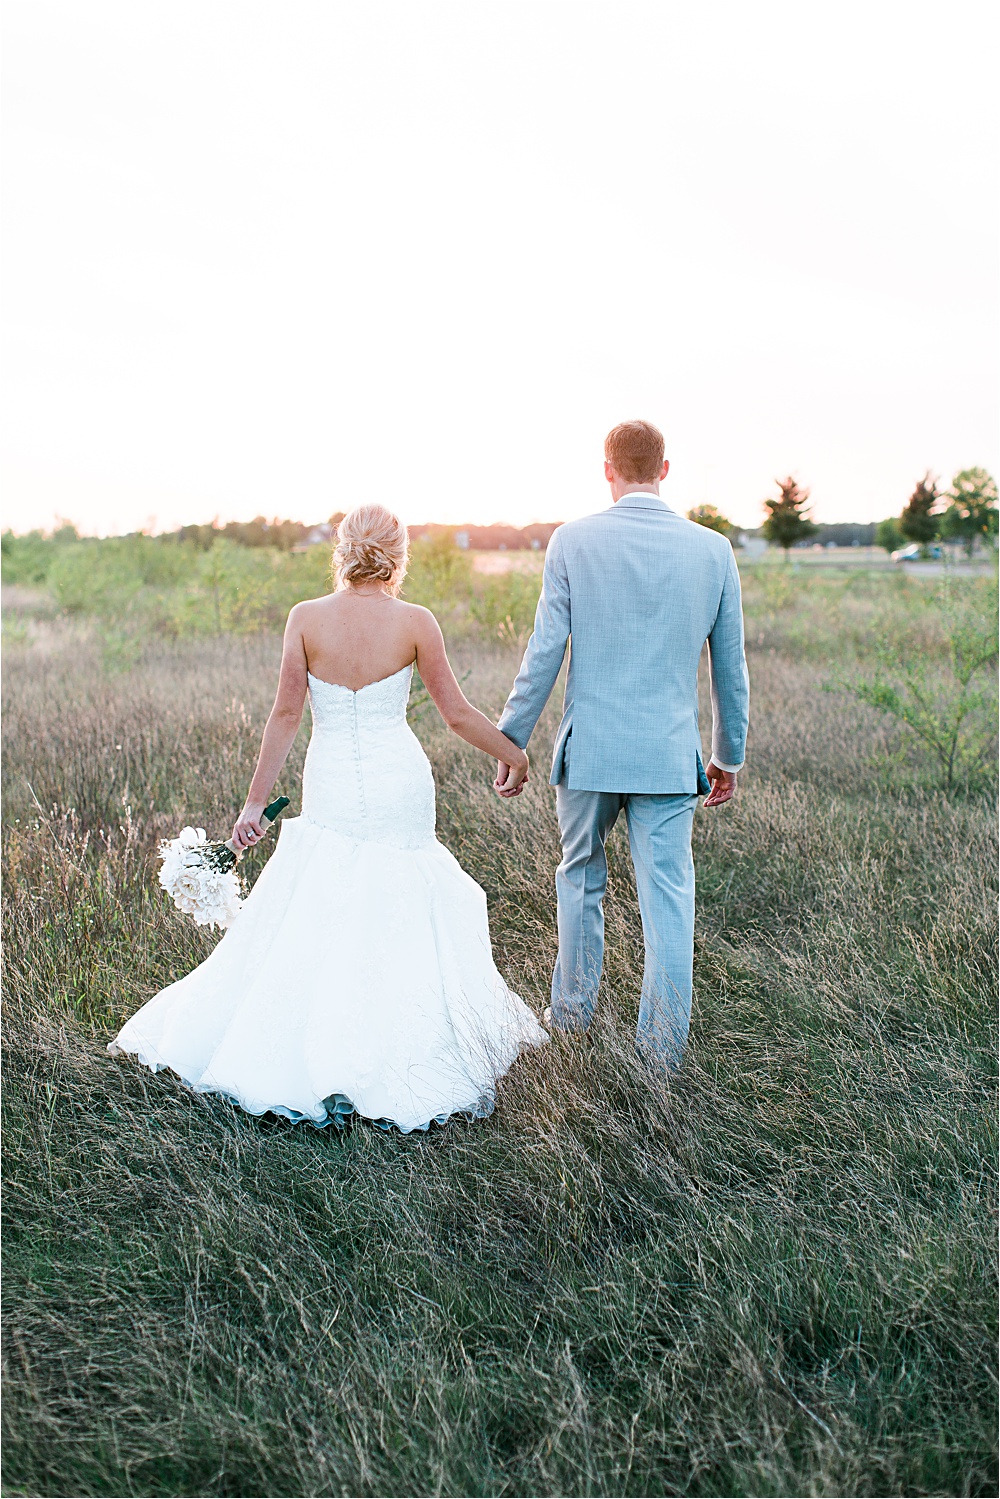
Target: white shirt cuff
[(732, 769)]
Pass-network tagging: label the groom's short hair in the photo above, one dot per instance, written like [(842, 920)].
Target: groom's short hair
[(635, 450)]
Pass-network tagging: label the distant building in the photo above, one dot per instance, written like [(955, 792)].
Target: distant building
[(753, 545), (316, 536)]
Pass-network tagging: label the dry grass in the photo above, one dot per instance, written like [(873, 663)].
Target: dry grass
[(775, 1276)]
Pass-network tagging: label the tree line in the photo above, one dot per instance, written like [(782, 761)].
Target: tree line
[(966, 512)]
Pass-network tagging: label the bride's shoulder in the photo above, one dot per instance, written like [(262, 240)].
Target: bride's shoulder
[(311, 606), (419, 624), (420, 617), (306, 610)]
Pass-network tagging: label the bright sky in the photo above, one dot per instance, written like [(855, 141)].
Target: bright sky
[(270, 258)]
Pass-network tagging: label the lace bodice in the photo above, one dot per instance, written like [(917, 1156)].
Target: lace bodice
[(366, 775), (336, 707)]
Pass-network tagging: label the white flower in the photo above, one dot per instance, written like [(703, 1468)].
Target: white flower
[(209, 896)]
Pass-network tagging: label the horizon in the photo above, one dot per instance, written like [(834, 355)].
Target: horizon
[(152, 527), (242, 275), (276, 520)]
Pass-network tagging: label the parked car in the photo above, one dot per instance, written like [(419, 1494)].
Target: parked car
[(914, 552)]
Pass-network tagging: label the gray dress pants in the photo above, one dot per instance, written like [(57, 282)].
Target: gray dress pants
[(659, 830)]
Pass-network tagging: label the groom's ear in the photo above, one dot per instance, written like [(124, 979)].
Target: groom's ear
[(664, 471)]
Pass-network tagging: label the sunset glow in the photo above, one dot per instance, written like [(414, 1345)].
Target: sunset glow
[(262, 261)]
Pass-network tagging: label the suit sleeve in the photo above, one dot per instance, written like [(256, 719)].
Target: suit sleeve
[(730, 680), (545, 652)]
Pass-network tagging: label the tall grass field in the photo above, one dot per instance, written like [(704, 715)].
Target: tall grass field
[(772, 1274)]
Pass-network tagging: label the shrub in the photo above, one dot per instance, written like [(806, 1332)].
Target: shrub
[(27, 559), (888, 534), (951, 711), (97, 577), (440, 574), (504, 606), (239, 590)]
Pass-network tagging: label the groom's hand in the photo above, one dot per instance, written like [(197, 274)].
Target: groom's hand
[(511, 779), (723, 785)]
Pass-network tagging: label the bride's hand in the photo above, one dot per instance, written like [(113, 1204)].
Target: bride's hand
[(511, 778), (248, 828)]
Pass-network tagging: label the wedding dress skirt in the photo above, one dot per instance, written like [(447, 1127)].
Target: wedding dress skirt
[(358, 975)]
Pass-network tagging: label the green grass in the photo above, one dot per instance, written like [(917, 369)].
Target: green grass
[(774, 1275)]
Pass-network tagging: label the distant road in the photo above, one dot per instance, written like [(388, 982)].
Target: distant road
[(936, 569), (844, 559), (867, 559)]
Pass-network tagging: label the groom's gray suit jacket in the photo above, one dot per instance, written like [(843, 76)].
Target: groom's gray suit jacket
[(639, 590)]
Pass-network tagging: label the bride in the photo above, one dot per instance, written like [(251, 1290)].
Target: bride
[(358, 976)]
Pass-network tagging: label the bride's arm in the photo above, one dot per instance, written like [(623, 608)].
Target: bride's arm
[(279, 732), (453, 705)]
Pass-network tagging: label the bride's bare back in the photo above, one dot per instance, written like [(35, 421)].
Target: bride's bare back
[(353, 638)]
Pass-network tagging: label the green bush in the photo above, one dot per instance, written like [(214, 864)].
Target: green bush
[(949, 706), (102, 576), (888, 535), (148, 584), (238, 590), (439, 576), (503, 606), (27, 559)]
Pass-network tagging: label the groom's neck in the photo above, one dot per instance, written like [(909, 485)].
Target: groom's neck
[(619, 489)]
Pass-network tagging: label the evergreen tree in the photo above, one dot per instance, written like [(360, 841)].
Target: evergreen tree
[(919, 522), (787, 521)]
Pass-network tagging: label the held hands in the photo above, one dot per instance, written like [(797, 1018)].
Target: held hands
[(723, 785), (511, 777), (248, 828)]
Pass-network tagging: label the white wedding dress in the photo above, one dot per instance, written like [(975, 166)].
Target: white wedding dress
[(358, 976)]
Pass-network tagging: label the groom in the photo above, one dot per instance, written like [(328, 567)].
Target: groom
[(640, 590)]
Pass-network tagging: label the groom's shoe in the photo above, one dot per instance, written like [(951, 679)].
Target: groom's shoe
[(562, 1027)]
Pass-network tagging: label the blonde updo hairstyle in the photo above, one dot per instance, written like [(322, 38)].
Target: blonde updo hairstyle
[(372, 547)]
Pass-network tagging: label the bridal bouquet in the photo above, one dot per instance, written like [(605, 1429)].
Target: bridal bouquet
[(200, 877)]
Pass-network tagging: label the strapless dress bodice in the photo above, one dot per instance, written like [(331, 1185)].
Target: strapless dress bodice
[(338, 709), (366, 775)]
